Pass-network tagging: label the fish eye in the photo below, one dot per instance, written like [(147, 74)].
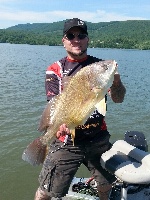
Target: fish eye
[(105, 67)]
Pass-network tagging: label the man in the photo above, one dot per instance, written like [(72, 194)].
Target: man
[(92, 138)]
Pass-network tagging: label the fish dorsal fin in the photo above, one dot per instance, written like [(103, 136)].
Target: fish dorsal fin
[(47, 113), (101, 106), (50, 107), (65, 81)]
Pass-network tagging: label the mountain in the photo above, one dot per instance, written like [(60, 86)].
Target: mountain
[(131, 34)]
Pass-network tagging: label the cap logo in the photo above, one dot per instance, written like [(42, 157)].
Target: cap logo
[(80, 22)]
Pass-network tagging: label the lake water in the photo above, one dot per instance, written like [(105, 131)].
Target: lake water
[(22, 94)]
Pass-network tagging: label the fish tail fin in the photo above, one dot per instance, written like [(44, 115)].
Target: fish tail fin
[(35, 152)]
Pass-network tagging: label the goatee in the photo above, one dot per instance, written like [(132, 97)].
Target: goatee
[(77, 54)]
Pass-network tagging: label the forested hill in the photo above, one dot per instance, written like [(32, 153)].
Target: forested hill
[(132, 34)]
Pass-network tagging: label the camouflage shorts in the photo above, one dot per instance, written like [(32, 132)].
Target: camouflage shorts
[(63, 161)]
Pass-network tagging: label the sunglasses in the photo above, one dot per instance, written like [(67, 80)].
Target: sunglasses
[(71, 36)]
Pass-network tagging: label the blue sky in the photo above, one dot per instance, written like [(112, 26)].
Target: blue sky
[(13, 12)]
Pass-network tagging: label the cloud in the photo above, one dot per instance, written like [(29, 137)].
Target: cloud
[(15, 17)]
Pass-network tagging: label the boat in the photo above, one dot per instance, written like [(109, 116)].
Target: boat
[(83, 188), (129, 161)]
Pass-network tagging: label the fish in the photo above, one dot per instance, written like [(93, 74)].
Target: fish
[(82, 93)]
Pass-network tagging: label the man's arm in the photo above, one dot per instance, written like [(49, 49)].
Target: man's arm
[(117, 90)]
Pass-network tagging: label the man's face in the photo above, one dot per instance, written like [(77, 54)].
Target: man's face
[(76, 42)]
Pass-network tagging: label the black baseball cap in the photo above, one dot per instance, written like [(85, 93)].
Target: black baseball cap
[(75, 22)]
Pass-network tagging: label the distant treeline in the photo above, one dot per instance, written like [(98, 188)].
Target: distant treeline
[(132, 34)]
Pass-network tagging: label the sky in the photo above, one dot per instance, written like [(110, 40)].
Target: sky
[(14, 12)]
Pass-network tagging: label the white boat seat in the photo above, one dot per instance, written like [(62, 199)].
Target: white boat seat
[(128, 163)]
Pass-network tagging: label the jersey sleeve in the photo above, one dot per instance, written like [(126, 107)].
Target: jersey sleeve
[(53, 85)]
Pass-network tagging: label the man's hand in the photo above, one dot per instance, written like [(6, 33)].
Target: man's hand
[(117, 90), (63, 130)]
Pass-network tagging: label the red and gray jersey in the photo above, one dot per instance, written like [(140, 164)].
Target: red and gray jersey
[(53, 86)]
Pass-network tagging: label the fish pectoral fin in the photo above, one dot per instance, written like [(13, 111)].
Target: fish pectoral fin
[(102, 107), (35, 152), (72, 131)]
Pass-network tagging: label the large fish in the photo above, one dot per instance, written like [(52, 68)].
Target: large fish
[(73, 106)]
